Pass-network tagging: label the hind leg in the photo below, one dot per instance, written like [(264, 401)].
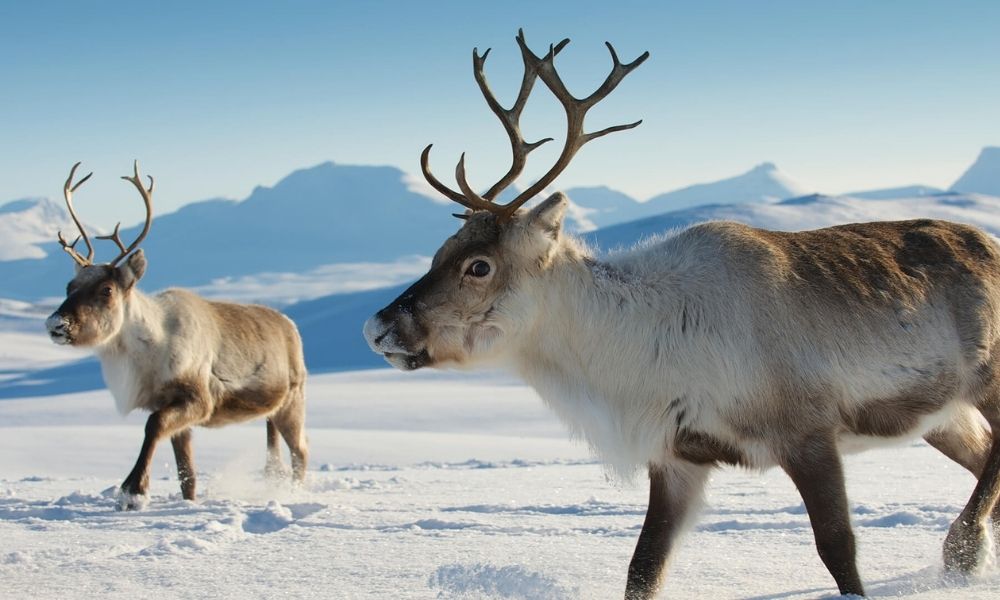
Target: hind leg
[(966, 440), (290, 422), (273, 469), (979, 451)]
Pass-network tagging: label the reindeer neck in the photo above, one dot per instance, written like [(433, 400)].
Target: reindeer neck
[(142, 324), (594, 318)]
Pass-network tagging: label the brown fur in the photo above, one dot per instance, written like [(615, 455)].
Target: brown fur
[(703, 449)]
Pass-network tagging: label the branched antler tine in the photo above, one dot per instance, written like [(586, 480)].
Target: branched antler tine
[(147, 198), (612, 129), (510, 117), (576, 111), (114, 237), (618, 72), (435, 183), (71, 249), (68, 189), (62, 240), (473, 200)]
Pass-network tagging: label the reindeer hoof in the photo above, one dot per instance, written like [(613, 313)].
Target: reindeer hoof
[(275, 472), (130, 501), (966, 547)]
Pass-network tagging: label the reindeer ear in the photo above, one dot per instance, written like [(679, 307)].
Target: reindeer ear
[(548, 216), (133, 269)]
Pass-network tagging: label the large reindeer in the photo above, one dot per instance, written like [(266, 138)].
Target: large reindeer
[(186, 360), (721, 344)]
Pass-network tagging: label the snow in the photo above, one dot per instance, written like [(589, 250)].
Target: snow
[(423, 485)]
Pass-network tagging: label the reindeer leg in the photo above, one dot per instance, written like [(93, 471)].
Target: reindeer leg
[(185, 462), (814, 466), (290, 422), (273, 468), (185, 406), (966, 541), (674, 492), (966, 440)]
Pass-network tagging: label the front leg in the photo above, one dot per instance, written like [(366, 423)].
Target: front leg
[(185, 462), (675, 490), (184, 406), (814, 466)]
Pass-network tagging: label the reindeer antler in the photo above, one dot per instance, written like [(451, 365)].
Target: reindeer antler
[(147, 198), (68, 189), (576, 111)]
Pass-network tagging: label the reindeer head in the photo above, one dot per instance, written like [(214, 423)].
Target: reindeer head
[(470, 305), (94, 309)]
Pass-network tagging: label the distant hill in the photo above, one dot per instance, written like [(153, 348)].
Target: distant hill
[(983, 177), (604, 206), (29, 225), (325, 214), (910, 191), (335, 214), (331, 326), (763, 183), (314, 217), (810, 212)]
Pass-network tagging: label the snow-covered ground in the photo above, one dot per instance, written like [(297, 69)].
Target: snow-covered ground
[(422, 485)]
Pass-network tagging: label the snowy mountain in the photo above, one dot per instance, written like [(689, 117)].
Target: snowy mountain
[(810, 212), (604, 206), (331, 325), (324, 215), (763, 183), (983, 177), (314, 217), (27, 226), (337, 214)]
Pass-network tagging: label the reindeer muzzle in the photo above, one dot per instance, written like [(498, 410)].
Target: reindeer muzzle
[(60, 329), (384, 338)]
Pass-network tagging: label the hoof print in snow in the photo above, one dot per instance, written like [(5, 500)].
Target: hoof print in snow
[(270, 519)]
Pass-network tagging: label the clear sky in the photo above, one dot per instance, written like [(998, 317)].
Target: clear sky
[(217, 97)]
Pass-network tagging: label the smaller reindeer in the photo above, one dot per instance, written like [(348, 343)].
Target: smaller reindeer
[(186, 360)]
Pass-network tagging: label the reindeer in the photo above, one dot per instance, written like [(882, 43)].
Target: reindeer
[(187, 360), (720, 344)]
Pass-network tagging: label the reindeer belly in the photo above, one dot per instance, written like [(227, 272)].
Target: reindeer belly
[(236, 406), (878, 424)]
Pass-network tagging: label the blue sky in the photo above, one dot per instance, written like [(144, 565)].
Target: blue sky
[(215, 98)]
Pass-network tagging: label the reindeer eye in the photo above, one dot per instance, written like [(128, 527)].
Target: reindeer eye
[(106, 291), (480, 268)]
